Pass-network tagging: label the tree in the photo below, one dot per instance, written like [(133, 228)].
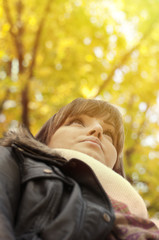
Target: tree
[(54, 51)]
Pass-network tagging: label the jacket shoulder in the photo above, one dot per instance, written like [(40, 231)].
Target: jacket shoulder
[(8, 163), (5, 153)]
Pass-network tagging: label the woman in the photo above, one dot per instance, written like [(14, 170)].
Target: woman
[(55, 186)]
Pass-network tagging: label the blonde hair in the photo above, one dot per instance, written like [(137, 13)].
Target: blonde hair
[(90, 107)]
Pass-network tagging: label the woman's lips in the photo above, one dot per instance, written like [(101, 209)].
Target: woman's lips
[(93, 140)]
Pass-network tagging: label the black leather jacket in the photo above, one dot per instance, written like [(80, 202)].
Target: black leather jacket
[(46, 197)]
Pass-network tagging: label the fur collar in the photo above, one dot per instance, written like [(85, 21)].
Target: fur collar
[(22, 137)]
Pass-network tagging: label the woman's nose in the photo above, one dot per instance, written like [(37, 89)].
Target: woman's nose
[(96, 130)]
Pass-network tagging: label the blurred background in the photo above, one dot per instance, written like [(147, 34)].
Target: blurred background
[(54, 51)]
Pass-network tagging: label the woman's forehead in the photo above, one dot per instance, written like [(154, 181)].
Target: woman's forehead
[(93, 108), (105, 119)]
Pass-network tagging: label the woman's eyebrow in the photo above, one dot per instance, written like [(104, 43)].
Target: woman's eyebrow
[(109, 123), (71, 118)]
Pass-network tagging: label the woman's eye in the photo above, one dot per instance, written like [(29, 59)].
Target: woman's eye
[(77, 121), (108, 134)]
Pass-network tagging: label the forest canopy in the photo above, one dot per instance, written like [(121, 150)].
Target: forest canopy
[(54, 51)]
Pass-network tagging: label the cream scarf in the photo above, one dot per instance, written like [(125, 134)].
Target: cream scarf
[(114, 185)]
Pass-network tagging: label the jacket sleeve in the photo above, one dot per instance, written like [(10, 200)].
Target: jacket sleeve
[(9, 193)]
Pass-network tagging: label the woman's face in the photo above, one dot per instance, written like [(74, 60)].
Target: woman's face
[(89, 135)]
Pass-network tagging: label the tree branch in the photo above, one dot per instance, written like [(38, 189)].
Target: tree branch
[(17, 37), (25, 90), (124, 59), (37, 38)]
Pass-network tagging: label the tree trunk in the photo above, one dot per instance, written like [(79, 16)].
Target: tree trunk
[(25, 103)]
